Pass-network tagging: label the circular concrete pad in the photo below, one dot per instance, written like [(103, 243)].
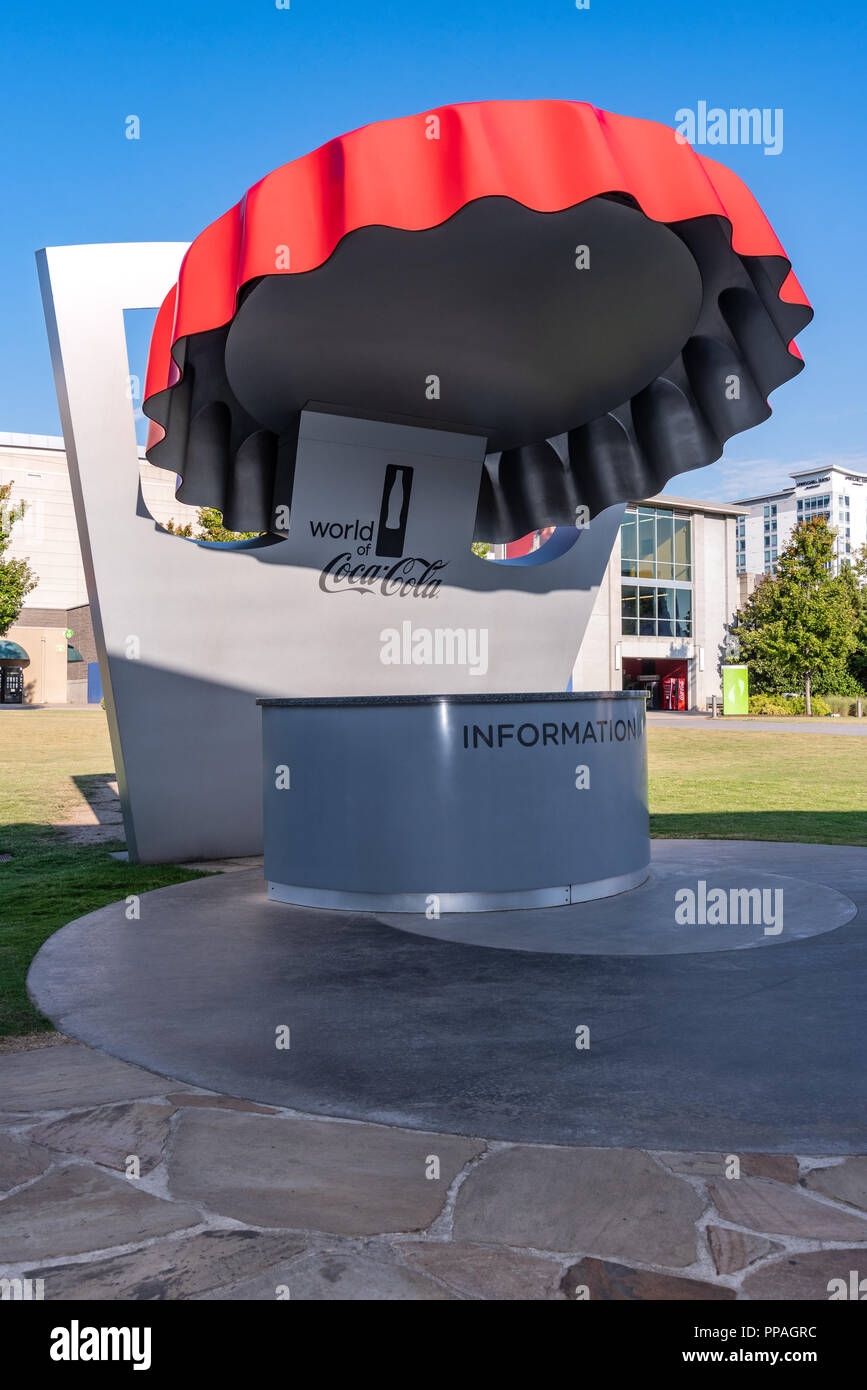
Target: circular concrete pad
[(726, 1050), (669, 914)]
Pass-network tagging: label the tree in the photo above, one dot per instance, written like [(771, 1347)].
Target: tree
[(800, 625), (211, 528), (858, 658), (16, 577)]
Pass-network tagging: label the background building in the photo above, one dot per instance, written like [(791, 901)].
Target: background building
[(838, 494), (61, 669), (661, 614)]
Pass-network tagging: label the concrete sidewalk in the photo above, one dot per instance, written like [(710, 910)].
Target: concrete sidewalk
[(237, 1201), (662, 719)]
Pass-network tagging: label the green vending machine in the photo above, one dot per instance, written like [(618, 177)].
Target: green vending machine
[(736, 690)]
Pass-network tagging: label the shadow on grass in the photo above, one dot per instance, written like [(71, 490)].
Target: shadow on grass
[(803, 827), (46, 883), (99, 790)]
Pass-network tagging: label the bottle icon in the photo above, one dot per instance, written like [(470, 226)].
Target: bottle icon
[(394, 510)]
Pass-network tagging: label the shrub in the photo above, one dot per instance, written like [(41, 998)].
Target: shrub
[(843, 704), (768, 704), (781, 707)]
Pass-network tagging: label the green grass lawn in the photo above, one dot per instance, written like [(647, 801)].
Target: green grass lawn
[(767, 784), (771, 784), (49, 881)]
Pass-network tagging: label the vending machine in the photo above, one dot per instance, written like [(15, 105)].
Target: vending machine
[(674, 692), (12, 685)]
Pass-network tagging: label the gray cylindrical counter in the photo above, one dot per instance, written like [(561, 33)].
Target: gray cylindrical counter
[(455, 803)]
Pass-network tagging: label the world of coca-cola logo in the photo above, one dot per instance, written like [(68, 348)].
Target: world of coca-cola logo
[(380, 564), (411, 576)]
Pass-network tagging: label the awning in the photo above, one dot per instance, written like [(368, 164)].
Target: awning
[(10, 651)]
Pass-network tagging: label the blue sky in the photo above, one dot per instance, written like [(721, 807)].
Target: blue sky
[(226, 92)]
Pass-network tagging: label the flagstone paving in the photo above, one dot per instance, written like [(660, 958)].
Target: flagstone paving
[(240, 1201)]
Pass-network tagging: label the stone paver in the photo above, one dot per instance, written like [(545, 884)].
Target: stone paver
[(780, 1167), (20, 1161), (614, 1202), (340, 1201), (339, 1276), (110, 1134), (75, 1209), (305, 1173), (479, 1271), (777, 1210), (807, 1276), (845, 1182), (733, 1251), (69, 1078), (602, 1279), (183, 1267)]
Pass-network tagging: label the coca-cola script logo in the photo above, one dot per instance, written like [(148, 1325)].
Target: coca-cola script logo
[(403, 576), (409, 577)]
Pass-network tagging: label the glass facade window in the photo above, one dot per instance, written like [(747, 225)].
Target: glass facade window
[(646, 542), (665, 612), (655, 544), (629, 610), (682, 550), (684, 612), (656, 556), (629, 544), (647, 612), (655, 610)]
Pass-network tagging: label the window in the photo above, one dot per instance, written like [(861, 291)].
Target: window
[(665, 612), (655, 544), (655, 610), (629, 610), (646, 542), (682, 550), (665, 545), (629, 545), (684, 612), (656, 555), (646, 612)]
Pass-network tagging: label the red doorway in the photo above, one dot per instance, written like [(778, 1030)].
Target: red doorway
[(666, 681)]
